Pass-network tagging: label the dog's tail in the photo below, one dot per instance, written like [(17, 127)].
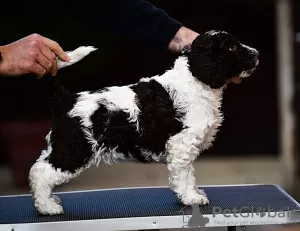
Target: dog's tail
[(61, 100), (75, 56)]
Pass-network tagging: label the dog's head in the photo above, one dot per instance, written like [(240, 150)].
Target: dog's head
[(217, 58)]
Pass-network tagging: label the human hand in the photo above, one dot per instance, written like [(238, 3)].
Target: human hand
[(32, 54), (183, 37)]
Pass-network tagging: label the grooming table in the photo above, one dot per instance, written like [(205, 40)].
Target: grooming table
[(153, 208)]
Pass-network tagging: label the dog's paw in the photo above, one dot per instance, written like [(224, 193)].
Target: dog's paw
[(49, 208), (55, 209), (200, 191), (195, 198), (56, 199)]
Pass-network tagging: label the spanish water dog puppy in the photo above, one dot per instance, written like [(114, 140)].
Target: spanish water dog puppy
[(169, 118)]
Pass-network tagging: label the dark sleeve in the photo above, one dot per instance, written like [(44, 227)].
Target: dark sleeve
[(135, 19)]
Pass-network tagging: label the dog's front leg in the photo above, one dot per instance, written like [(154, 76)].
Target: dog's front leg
[(182, 150)]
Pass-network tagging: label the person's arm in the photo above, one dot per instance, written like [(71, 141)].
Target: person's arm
[(136, 19)]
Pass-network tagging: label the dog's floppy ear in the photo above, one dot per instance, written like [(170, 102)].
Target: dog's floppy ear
[(206, 67)]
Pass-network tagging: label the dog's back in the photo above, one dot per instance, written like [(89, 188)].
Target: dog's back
[(129, 122)]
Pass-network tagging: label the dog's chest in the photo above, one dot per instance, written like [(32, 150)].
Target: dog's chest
[(212, 130), (205, 118), (203, 115), (198, 103)]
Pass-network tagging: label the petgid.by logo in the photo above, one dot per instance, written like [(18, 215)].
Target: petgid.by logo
[(234, 217)]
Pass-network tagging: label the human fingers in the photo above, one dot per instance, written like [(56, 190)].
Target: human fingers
[(51, 57), (55, 47), (44, 62), (36, 68)]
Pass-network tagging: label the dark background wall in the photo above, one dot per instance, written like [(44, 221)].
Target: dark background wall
[(251, 114), (296, 105)]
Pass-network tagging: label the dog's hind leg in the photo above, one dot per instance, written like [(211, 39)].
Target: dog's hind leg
[(43, 178), (67, 155)]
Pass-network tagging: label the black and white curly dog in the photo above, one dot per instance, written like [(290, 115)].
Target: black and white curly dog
[(169, 118)]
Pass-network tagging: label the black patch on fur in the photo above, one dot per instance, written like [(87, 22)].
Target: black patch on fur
[(113, 130), (70, 149), (61, 100), (157, 123), (158, 119), (98, 90)]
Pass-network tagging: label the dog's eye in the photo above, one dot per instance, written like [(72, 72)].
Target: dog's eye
[(232, 48)]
